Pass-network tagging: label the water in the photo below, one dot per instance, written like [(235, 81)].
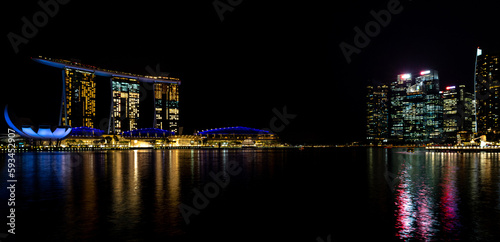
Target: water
[(256, 195)]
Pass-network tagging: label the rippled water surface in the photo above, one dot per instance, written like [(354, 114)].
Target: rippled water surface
[(256, 195)]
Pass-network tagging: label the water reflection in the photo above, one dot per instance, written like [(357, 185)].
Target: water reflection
[(133, 195), (123, 194), (430, 190), (449, 201), (415, 204)]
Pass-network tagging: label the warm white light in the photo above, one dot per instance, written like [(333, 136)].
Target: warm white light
[(406, 76)]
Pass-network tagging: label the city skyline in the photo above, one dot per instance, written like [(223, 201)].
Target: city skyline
[(220, 119), (414, 109), (237, 71)]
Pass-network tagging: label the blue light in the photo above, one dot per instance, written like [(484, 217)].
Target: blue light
[(29, 131), (61, 132), (86, 131), (9, 122), (103, 73), (44, 131)]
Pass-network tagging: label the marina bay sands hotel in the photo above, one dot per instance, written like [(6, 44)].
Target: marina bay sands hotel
[(78, 101)]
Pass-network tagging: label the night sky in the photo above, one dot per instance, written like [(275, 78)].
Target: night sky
[(264, 55)]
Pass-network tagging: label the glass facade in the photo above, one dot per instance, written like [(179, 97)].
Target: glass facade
[(416, 108), (396, 112), (78, 102), (78, 105), (125, 112), (377, 113), (457, 114), (487, 95), (166, 106)]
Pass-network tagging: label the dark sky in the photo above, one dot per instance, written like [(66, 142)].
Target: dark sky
[(263, 55)]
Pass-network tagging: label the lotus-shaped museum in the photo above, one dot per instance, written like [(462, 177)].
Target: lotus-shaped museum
[(43, 132)]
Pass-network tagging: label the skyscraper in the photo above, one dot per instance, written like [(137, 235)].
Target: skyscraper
[(78, 100), (166, 106), (457, 114), (377, 113), (397, 95), (416, 108), (487, 94), (125, 110)]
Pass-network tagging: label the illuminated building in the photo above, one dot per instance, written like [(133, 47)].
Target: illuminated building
[(86, 132), (78, 101), (433, 106), (377, 113), (79, 97), (396, 96), (416, 110), (166, 106), (487, 95), (238, 136), (125, 110), (44, 132), (147, 133), (457, 114)]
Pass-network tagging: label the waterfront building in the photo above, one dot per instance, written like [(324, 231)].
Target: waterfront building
[(487, 96), (418, 112), (125, 106), (397, 95), (457, 114), (78, 99), (237, 137), (166, 106), (78, 102), (416, 108), (377, 113)]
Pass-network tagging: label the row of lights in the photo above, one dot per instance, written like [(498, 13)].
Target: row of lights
[(464, 147)]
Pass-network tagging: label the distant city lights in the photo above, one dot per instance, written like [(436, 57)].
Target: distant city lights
[(406, 76)]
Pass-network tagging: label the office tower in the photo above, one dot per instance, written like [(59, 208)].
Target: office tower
[(433, 106), (466, 128), (416, 109), (487, 94), (166, 106), (396, 96), (125, 110), (78, 100), (377, 113), (457, 114)]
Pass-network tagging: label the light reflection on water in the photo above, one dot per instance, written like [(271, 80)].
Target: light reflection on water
[(116, 194), (133, 195), (433, 189)]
